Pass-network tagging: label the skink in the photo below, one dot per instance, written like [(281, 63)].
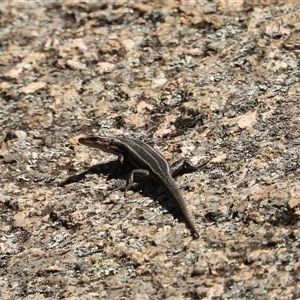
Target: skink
[(148, 162)]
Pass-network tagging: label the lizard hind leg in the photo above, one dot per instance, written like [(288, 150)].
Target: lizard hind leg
[(185, 166)]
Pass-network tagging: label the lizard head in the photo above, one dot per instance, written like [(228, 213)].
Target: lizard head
[(102, 143)]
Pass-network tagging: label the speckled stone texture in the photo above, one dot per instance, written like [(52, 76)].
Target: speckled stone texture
[(198, 79)]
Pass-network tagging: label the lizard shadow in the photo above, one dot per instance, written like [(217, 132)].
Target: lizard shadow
[(108, 169), (116, 170)]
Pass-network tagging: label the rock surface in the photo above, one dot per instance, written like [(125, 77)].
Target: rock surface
[(215, 79)]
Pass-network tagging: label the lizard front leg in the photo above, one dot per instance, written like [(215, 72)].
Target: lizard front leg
[(134, 175)]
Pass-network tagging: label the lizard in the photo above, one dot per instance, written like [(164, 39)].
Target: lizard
[(148, 163)]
